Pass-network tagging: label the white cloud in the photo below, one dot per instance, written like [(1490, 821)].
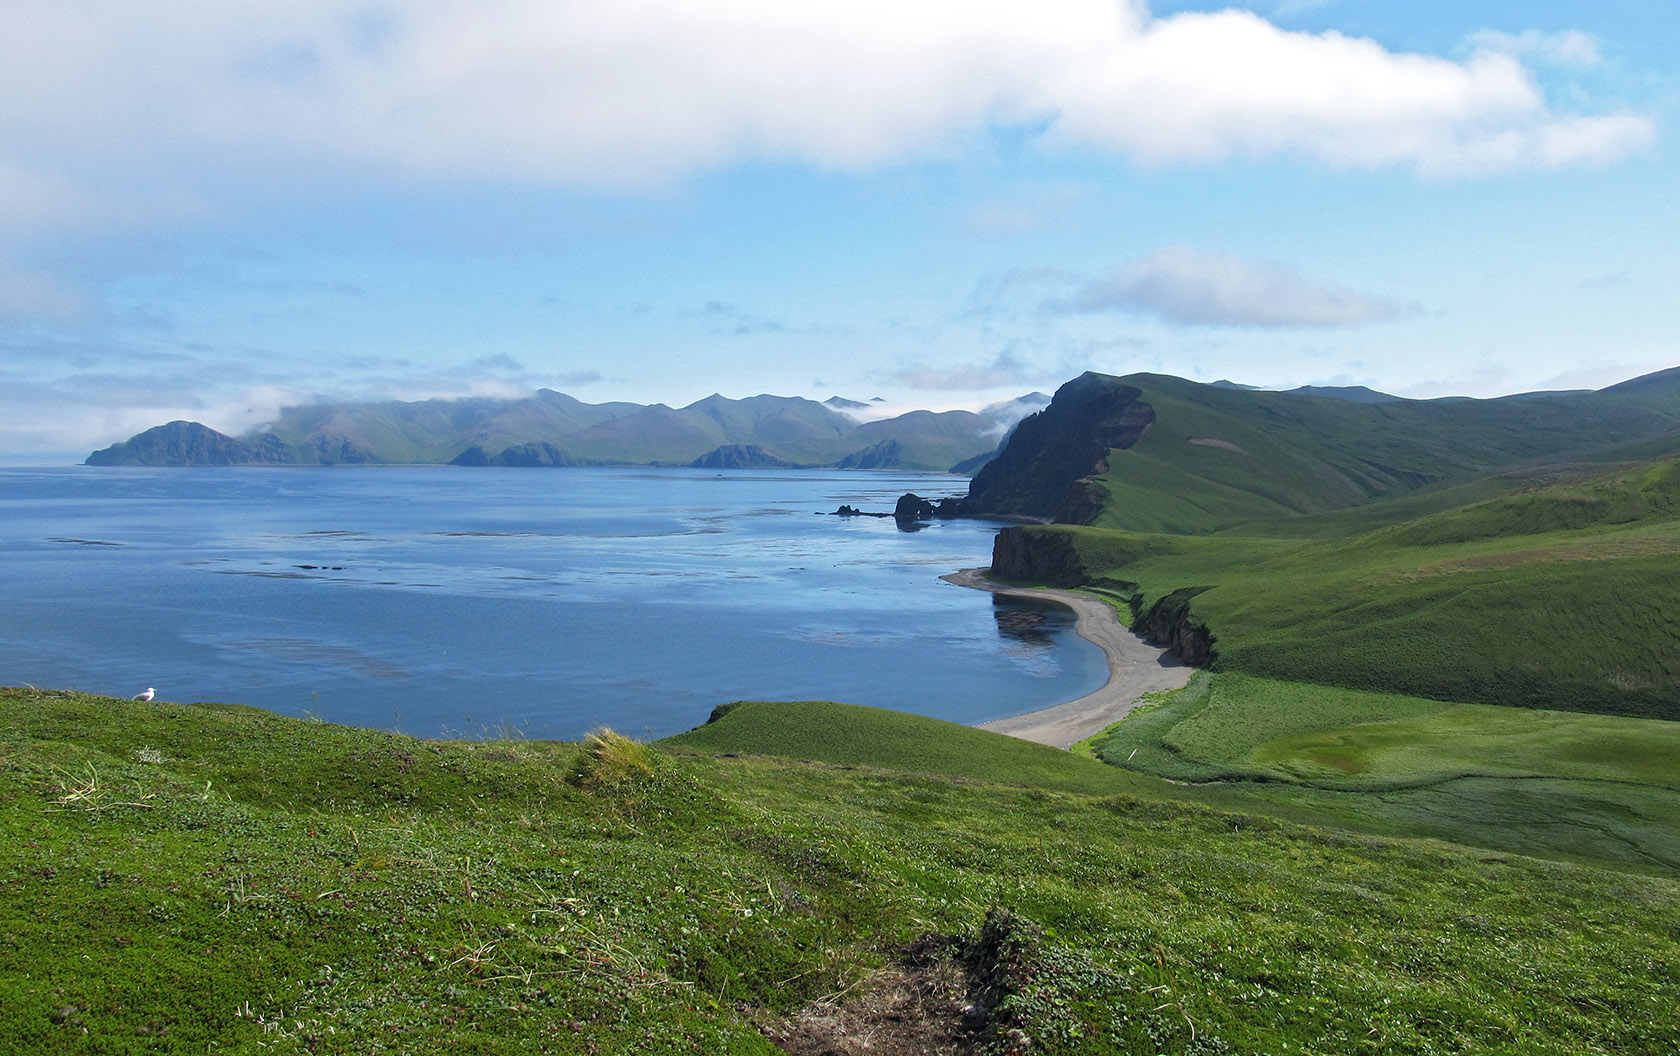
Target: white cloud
[(163, 105), (1001, 372), (1183, 285), (1571, 48)]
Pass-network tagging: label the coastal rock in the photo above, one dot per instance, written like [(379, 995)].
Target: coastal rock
[(1170, 624), (912, 507), (1047, 466), (1039, 555)]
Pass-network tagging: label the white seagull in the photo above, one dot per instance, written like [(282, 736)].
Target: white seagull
[(148, 695)]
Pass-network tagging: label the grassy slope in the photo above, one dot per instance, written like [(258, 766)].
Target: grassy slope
[(1564, 596), (849, 735), (187, 878), (1593, 788), (1216, 458)]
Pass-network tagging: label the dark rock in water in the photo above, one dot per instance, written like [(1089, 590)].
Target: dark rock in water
[(193, 444), (912, 507), (741, 456)]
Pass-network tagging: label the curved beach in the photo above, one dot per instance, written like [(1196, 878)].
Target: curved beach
[(1134, 668)]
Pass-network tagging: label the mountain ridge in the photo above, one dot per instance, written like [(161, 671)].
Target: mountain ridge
[(550, 428)]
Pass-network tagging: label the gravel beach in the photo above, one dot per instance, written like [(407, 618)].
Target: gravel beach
[(1134, 668)]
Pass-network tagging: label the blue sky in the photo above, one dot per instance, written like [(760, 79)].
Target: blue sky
[(211, 210)]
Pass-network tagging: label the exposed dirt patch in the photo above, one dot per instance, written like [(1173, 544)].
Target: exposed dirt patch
[(1208, 441), (941, 999)]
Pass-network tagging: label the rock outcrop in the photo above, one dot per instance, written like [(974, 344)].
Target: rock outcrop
[(1038, 555), (1170, 624), (912, 507), (1045, 468)]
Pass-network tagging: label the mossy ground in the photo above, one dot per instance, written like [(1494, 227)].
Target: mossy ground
[(191, 879)]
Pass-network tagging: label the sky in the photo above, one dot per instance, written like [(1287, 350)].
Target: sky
[(209, 211)]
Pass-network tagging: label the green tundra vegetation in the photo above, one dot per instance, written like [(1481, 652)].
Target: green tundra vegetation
[(214, 878)]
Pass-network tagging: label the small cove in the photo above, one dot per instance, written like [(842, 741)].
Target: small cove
[(539, 603)]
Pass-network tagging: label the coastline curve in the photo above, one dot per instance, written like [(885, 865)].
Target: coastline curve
[(1134, 668)]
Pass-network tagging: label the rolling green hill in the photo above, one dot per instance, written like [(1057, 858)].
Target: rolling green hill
[(183, 879), (1561, 596), (1153, 453), (1483, 551)]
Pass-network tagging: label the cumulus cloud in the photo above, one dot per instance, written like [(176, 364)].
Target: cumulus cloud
[(1182, 285), (160, 104)]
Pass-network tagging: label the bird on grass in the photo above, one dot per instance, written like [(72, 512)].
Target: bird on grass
[(148, 695)]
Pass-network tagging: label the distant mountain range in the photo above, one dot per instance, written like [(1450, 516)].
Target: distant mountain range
[(552, 429)]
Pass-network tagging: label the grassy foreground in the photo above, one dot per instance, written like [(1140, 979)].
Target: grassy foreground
[(193, 879)]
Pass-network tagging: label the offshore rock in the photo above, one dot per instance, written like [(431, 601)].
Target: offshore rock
[(912, 507)]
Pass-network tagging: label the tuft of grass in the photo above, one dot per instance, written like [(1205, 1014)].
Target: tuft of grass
[(608, 759)]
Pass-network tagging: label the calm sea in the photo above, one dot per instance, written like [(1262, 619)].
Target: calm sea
[(542, 603)]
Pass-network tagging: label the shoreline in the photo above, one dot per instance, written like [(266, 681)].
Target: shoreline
[(1134, 668)]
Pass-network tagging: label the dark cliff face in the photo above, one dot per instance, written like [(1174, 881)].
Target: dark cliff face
[(1044, 469), (1038, 556), (1047, 555), (192, 444)]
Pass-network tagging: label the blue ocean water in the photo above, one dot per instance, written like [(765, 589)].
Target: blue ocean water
[(450, 602)]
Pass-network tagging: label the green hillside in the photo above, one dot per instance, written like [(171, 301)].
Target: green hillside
[(1154, 453), (1563, 596), (1591, 788), (1498, 551), (207, 878)]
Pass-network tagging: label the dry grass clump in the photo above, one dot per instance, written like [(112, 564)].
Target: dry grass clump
[(607, 759)]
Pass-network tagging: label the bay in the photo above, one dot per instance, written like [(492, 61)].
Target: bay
[(486, 602)]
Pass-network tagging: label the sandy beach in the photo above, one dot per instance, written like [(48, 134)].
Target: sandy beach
[(1134, 668)]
